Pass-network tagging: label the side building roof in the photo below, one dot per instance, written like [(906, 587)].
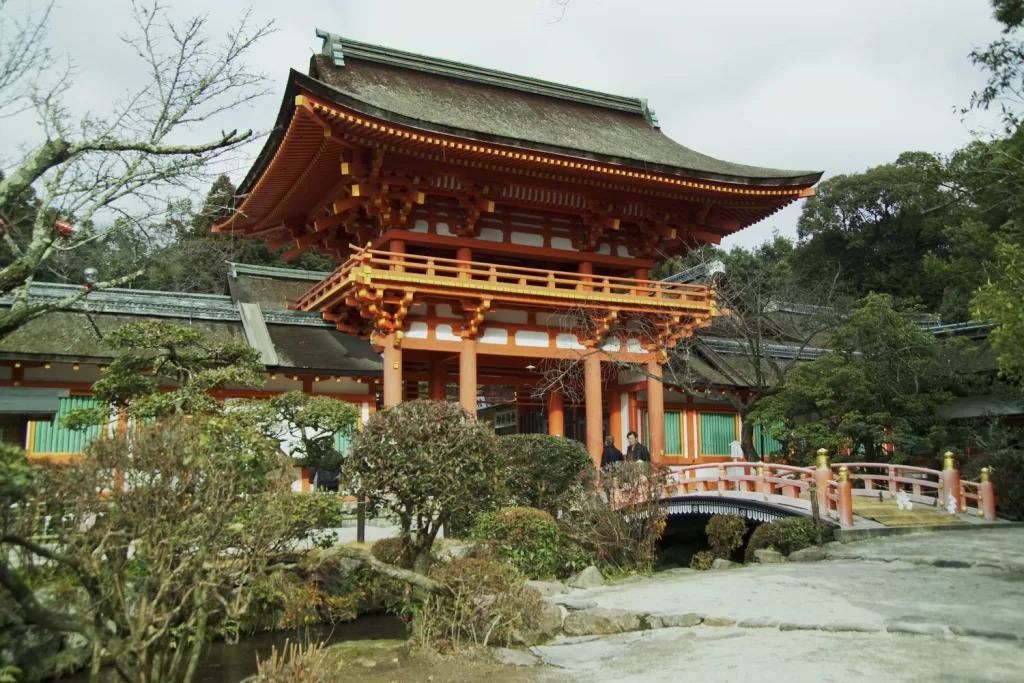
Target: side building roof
[(297, 341)]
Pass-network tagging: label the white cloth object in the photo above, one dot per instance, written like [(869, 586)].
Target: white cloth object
[(903, 502), (951, 504)]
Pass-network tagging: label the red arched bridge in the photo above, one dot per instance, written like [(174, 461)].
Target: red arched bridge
[(764, 491)]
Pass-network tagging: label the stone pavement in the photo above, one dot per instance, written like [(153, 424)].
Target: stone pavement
[(922, 602)]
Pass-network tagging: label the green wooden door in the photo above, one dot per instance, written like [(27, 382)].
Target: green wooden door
[(51, 437), (717, 431)]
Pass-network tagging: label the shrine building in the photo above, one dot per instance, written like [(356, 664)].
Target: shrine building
[(477, 217)]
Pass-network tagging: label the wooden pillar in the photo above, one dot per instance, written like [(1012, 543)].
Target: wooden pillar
[(951, 481), (655, 411), (392, 372), (467, 376), (438, 379), (586, 268), (633, 426), (641, 273), (822, 477), (615, 415), (594, 406), (464, 254), (844, 504), (987, 496), (398, 247), (522, 408), (556, 416)]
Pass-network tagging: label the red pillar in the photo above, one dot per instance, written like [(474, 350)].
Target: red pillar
[(467, 376), (633, 427), (655, 411), (987, 504), (398, 247), (845, 495), (392, 372), (594, 407), (951, 481), (438, 380), (615, 415), (822, 477), (556, 417)]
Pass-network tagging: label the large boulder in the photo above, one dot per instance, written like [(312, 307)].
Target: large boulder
[(721, 563), (601, 621), (546, 588), (367, 653), (590, 577), (547, 625), (765, 556), (811, 554)]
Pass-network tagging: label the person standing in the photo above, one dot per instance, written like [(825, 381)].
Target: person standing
[(610, 454), (637, 451)]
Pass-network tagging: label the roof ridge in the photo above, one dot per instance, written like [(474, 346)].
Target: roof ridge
[(338, 48), (276, 271)]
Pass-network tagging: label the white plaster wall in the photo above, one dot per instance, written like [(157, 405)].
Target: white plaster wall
[(493, 335), (533, 338), (444, 333)]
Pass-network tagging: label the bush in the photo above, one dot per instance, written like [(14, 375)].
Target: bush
[(544, 469), (298, 664), (392, 551), (785, 536), (571, 558), (702, 561), (526, 538), (487, 606), (623, 535), (725, 534)]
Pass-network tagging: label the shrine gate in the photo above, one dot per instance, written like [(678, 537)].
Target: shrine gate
[(473, 212)]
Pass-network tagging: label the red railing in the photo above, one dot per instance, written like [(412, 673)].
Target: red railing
[(427, 271), (837, 484)]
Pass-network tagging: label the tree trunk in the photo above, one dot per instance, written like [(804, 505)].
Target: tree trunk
[(199, 640), (373, 564), (747, 439)]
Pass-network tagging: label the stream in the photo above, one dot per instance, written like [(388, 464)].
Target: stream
[(224, 663)]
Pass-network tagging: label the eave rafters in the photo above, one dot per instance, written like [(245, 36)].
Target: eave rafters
[(384, 173)]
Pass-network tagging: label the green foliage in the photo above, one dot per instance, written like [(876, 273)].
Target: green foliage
[(544, 468), (526, 538), (702, 560), (305, 516), (430, 460), (154, 352), (1000, 301), (571, 558), (785, 536), (311, 421), (1003, 59), (725, 534), (999, 447), (16, 476), (487, 605), (887, 380)]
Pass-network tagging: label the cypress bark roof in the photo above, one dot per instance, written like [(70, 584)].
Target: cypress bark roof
[(525, 112)]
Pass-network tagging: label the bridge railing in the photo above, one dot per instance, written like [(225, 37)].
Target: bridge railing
[(837, 484)]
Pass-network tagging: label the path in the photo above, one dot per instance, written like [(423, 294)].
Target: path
[(898, 586)]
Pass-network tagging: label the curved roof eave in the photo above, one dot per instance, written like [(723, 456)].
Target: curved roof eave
[(298, 81)]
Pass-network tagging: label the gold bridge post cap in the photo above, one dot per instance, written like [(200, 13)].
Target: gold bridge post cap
[(844, 474), (823, 458), (948, 461), (985, 474)]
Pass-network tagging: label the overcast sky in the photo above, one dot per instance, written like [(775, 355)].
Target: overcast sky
[(839, 85)]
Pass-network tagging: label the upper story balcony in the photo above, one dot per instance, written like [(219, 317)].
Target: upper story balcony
[(379, 275)]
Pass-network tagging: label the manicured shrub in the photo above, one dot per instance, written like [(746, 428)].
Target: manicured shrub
[(785, 536), (526, 538), (544, 469), (391, 551), (702, 560), (486, 606), (571, 558), (725, 534)]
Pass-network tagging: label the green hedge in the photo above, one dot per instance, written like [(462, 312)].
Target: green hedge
[(785, 536), (526, 538)]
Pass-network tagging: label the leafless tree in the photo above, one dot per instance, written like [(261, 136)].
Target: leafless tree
[(117, 168), (765, 322)]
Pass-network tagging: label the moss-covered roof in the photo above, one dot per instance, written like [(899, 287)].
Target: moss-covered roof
[(499, 108)]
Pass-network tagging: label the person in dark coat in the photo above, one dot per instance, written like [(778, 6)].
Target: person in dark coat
[(637, 451), (610, 454)]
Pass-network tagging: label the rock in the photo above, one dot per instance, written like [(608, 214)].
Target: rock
[(571, 603), (758, 622), (917, 629), (681, 620), (852, 628), (793, 626), (515, 657), (718, 621), (547, 626), (366, 652), (812, 554), (768, 557), (600, 621), (719, 563), (983, 633), (590, 577), (546, 588), (457, 552)]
